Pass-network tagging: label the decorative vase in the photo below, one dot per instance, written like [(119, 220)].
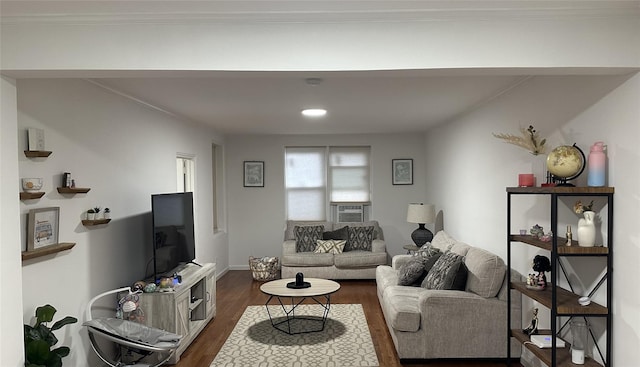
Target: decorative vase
[(587, 230)]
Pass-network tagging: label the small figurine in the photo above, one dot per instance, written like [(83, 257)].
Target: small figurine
[(138, 286), (532, 329), (536, 231), (547, 237), (166, 285), (541, 264), (569, 236)]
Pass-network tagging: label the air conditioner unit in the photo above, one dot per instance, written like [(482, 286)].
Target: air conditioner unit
[(350, 213)]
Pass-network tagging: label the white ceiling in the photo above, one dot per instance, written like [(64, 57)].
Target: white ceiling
[(270, 102)]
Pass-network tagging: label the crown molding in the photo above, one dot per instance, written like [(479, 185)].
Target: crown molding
[(268, 11)]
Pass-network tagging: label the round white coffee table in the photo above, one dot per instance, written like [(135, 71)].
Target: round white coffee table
[(320, 291)]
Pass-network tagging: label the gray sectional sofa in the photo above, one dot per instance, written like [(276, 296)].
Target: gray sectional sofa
[(470, 323), (351, 264)]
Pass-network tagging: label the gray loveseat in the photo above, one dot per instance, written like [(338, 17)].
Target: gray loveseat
[(351, 264), (469, 323)]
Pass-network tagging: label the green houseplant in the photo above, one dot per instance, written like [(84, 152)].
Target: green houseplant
[(39, 339)]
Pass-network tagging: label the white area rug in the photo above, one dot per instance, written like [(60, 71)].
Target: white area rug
[(345, 340)]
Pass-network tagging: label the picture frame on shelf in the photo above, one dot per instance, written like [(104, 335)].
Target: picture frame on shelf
[(253, 173), (43, 227), (35, 139), (402, 171)]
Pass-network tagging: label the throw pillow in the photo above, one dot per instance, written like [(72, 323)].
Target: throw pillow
[(429, 261), (415, 270), (448, 272), (306, 237), (360, 238), (412, 272), (330, 246), (427, 250), (338, 234)]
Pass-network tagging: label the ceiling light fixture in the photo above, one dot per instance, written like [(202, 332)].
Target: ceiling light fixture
[(314, 112)]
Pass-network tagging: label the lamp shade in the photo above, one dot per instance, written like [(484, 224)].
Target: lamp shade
[(421, 213)]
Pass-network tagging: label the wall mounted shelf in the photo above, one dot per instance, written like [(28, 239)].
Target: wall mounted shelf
[(31, 195), (73, 190), (37, 153), (28, 255), (94, 222)]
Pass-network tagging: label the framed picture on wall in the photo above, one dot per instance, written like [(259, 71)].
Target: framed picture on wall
[(402, 171), (253, 173), (42, 228)]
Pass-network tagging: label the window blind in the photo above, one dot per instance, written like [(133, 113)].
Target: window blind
[(313, 174), (349, 174), (305, 183)]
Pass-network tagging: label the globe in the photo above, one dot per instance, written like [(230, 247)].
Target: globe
[(566, 162)]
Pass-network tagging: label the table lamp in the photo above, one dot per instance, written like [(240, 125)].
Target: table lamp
[(420, 213)]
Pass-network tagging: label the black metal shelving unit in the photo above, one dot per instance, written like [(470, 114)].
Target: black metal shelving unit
[(563, 302)]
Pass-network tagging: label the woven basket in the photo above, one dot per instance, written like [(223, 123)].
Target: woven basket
[(264, 268)]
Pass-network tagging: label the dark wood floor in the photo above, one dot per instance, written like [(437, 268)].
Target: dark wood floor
[(236, 290)]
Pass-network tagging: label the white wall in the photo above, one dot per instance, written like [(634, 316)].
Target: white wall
[(11, 353), (257, 215), (474, 168), (493, 42), (124, 152)]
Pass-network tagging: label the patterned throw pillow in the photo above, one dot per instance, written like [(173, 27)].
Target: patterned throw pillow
[(306, 237), (330, 246), (448, 272), (427, 250), (411, 273), (360, 238)]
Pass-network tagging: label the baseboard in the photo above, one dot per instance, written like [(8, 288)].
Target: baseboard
[(239, 267), (221, 273)]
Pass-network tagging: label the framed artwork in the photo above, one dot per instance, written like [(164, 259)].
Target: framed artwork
[(253, 173), (402, 171), (43, 227), (36, 138)]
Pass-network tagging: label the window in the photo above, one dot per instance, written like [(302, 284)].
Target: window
[(349, 174), (217, 172), (305, 183), (316, 176)]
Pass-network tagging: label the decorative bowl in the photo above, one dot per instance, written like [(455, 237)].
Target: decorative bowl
[(31, 184), (584, 301)]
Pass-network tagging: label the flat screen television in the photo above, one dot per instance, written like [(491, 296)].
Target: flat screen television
[(173, 233)]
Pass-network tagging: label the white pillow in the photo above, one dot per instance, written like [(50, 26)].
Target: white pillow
[(329, 246)]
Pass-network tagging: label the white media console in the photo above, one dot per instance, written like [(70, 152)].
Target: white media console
[(187, 309)]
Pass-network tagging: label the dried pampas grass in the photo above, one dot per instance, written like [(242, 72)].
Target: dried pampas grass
[(529, 140)]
